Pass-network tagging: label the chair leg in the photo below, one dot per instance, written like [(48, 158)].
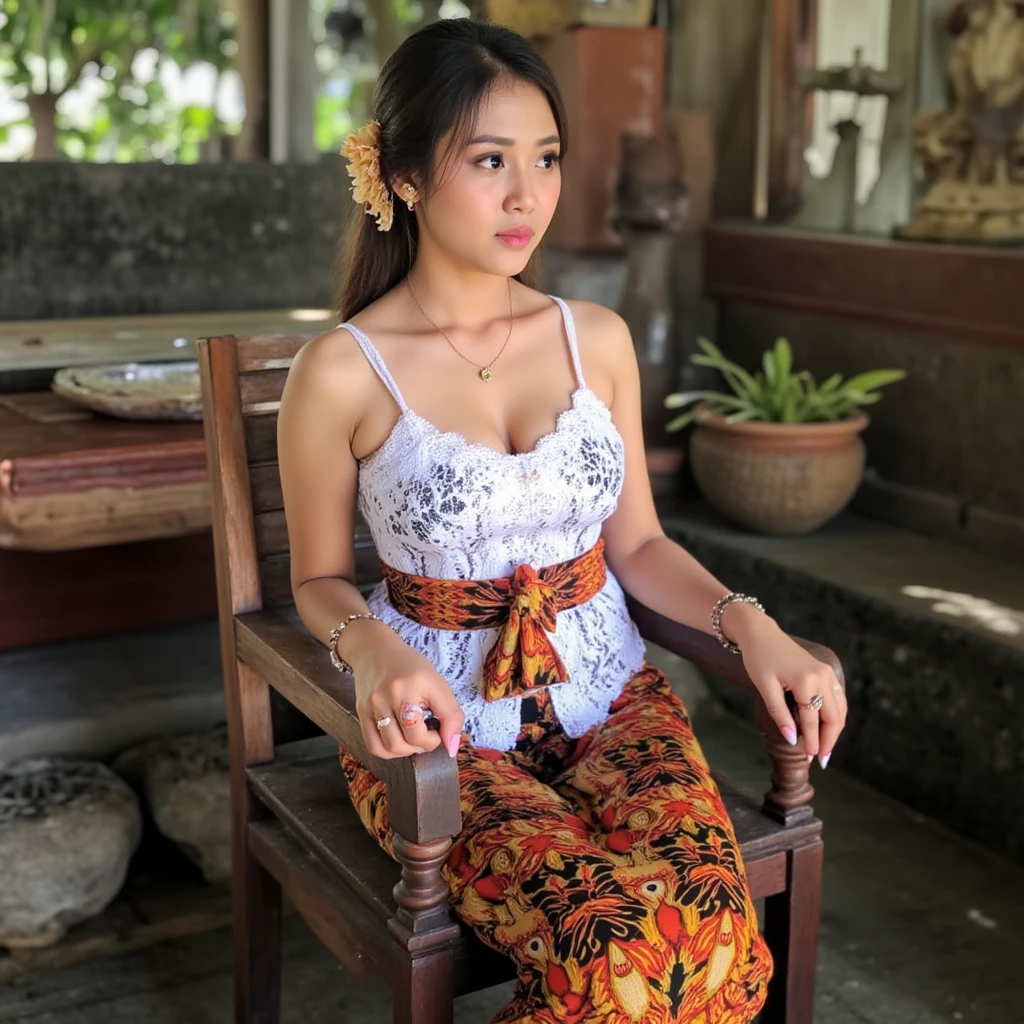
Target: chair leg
[(791, 931), (424, 988), (257, 941)]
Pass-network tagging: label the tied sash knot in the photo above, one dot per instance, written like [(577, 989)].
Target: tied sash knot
[(524, 605), (523, 657)]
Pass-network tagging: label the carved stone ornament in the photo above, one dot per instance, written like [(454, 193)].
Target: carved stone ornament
[(68, 829), (975, 152), (186, 785)]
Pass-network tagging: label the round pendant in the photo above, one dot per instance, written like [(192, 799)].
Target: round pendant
[(485, 374)]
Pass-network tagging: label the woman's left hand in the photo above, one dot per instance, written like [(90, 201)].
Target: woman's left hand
[(776, 663)]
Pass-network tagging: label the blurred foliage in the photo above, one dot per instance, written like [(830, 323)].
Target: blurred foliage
[(48, 47)]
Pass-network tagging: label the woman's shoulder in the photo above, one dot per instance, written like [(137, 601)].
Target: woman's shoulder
[(328, 377), (603, 339), (595, 319)]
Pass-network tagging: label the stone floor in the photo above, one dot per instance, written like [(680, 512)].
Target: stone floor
[(918, 927)]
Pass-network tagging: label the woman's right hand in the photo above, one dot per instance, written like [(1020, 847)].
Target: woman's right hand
[(390, 678)]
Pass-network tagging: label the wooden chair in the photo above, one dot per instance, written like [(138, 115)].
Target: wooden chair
[(294, 827)]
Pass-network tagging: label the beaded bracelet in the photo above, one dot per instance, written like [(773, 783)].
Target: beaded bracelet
[(336, 660), (716, 617)]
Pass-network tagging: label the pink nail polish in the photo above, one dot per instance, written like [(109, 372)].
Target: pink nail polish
[(453, 745), (824, 759), (810, 758), (790, 733)]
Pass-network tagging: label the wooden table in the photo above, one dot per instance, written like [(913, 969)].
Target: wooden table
[(104, 523), (70, 479)]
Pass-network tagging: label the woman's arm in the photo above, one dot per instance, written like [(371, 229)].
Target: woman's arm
[(318, 482), (320, 409), (665, 577)]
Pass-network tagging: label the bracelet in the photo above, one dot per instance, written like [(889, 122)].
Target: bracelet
[(716, 617), (336, 660)]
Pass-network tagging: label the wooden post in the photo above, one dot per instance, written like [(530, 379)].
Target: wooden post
[(253, 63), (793, 28)]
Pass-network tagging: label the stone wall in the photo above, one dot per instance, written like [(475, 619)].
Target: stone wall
[(110, 239)]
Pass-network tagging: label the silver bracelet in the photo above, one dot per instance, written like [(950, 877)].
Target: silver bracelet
[(716, 617), (338, 662)]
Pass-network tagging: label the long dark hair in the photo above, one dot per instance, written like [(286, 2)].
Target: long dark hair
[(431, 85)]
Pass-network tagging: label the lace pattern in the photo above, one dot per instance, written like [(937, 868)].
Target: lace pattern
[(439, 505)]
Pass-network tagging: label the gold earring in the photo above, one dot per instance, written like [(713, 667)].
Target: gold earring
[(409, 194)]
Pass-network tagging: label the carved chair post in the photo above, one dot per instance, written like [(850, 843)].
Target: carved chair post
[(425, 935), (421, 893), (789, 799)]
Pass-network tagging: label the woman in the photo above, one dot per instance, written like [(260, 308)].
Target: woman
[(491, 437)]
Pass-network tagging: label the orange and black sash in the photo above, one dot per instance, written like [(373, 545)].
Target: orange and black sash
[(524, 605)]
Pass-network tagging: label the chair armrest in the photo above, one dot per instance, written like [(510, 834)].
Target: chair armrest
[(423, 790), (704, 650)]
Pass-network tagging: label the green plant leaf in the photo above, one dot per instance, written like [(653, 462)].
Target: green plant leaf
[(741, 382), (864, 397), (681, 421), (713, 357), (680, 398), (874, 379), (783, 358), (743, 417)]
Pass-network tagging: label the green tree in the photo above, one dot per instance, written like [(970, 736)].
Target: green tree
[(48, 46)]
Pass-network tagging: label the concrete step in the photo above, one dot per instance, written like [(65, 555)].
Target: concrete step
[(98, 696), (932, 640)]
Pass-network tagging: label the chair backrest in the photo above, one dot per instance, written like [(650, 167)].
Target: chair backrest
[(242, 380)]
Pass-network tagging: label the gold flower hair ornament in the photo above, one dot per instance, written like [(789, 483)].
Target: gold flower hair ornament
[(362, 150)]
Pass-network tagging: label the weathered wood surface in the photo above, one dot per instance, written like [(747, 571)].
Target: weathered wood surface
[(966, 292), (72, 479)]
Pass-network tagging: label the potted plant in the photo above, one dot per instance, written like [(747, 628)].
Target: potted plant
[(780, 454)]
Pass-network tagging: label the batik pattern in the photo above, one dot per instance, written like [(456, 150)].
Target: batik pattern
[(524, 605), (605, 867)]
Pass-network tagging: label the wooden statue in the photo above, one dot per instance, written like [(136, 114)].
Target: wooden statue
[(976, 151)]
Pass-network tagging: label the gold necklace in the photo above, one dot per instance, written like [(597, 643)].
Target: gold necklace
[(485, 371)]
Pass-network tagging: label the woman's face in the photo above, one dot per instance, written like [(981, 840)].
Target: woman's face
[(493, 201)]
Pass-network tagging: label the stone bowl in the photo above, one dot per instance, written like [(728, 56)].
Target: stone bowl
[(136, 391)]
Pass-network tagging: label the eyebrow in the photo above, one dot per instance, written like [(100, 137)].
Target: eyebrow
[(500, 140)]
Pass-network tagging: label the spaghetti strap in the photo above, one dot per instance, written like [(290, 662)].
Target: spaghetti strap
[(375, 360), (570, 333)]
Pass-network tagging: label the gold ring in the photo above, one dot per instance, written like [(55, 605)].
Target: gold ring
[(813, 704), (383, 723)]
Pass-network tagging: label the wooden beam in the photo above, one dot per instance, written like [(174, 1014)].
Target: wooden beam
[(970, 293)]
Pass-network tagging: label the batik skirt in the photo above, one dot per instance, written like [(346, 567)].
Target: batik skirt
[(606, 867)]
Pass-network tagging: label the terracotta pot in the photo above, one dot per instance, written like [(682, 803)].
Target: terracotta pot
[(778, 478), (665, 469)]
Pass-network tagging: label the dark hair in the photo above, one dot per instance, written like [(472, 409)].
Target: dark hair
[(431, 85)]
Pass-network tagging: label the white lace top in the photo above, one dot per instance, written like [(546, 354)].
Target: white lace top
[(438, 505)]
